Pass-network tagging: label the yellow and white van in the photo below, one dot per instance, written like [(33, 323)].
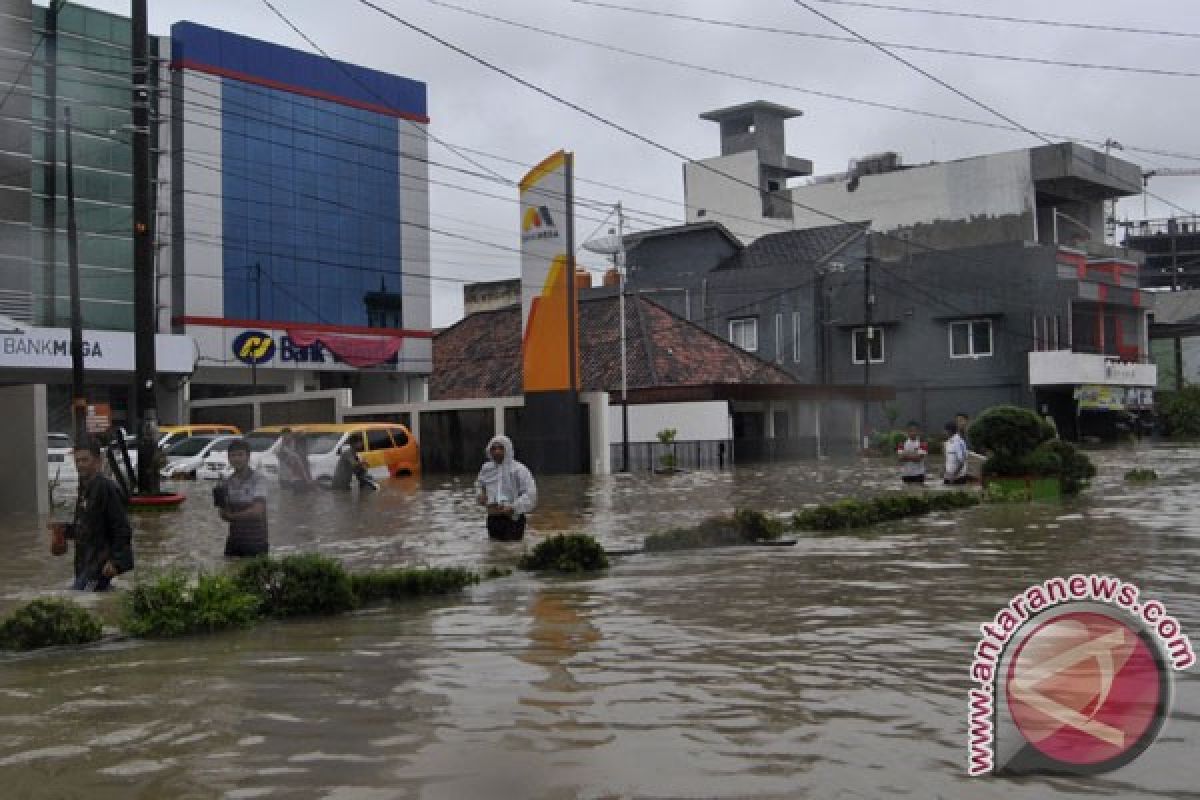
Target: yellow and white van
[(388, 449)]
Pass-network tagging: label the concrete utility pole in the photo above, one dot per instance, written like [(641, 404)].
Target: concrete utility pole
[(143, 261), (868, 303), (620, 257), (78, 393)]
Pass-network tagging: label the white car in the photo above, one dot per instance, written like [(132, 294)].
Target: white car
[(185, 458), (216, 463), (60, 459)]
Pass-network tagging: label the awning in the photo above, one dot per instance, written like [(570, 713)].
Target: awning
[(355, 350)]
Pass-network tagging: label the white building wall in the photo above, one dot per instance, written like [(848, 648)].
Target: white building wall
[(710, 196), (987, 186), (201, 186), (416, 354), (997, 185), (699, 421)]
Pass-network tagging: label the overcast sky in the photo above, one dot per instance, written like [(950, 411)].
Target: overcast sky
[(475, 108)]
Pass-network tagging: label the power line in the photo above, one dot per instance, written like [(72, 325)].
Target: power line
[(1016, 20), (964, 95), (850, 40)]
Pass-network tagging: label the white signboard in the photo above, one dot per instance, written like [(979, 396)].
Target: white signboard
[(109, 351)]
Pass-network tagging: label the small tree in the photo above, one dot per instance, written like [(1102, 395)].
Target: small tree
[(667, 437), (1180, 412), (1019, 443)]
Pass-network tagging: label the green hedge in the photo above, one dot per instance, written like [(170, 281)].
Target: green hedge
[(48, 622), (566, 552), (170, 605), (743, 527), (1020, 444), (296, 585), (1141, 475), (847, 514), (396, 584)]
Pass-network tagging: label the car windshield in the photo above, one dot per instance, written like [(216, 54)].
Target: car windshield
[(58, 440), (260, 442), (221, 446), (190, 447), (318, 443)]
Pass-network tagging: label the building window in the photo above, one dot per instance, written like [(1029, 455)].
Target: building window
[(859, 345), (779, 338), (744, 333), (971, 338), (796, 336)]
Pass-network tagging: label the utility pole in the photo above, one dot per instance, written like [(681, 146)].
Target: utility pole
[(143, 261), (49, 205), (620, 257), (257, 318), (868, 303), (78, 393)]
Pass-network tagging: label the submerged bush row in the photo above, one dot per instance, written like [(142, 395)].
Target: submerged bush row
[(566, 552), (846, 514), (176, 604), (743, 527)]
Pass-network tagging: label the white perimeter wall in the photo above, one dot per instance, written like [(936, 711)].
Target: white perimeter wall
[(691, 421)]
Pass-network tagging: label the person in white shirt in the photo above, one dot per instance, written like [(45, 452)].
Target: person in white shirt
[(956, 456), (507, 489), (911, 453)]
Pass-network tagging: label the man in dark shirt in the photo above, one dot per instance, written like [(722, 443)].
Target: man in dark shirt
[(103, 537)]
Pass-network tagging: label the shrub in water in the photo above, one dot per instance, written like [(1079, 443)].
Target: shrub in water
[(395, 584), (1008, 432), (1077, 469), (1180, 412), (297, 585), (48, 622), (845, 514), (572, 552), (172, 606), (1141, 474), (744, 527)]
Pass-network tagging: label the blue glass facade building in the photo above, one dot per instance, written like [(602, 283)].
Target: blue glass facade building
[(310, 178)]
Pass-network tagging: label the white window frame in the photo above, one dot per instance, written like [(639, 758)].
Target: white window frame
[(970, 323), (867, 336), (746, 323), (779, 348)]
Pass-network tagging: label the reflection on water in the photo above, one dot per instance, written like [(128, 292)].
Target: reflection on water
[(835, 668)]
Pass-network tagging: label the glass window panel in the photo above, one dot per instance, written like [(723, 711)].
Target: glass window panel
[(981, 337), (959, 343)]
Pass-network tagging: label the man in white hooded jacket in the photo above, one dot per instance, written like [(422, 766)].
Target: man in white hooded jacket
[(507, 489)]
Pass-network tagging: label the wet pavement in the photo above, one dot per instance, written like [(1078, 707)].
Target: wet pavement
[(836, 668)]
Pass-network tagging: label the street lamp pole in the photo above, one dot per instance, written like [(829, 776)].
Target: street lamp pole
[(620, 258)]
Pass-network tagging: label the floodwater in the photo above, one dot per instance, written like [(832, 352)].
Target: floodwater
[(837, 668)]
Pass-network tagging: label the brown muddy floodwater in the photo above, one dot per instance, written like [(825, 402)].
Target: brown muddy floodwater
[(837, 668)]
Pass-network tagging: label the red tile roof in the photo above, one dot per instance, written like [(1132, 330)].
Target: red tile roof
[(480, 356)]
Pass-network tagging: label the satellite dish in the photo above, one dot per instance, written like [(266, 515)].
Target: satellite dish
[(609, 245)]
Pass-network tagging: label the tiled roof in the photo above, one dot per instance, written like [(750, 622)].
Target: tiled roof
[(481, 355), (811, 245)]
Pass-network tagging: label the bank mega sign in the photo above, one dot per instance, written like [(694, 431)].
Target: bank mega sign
[(108, 351)]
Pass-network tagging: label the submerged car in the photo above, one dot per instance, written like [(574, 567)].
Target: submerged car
[(185, 458), (60, 460), (216, 462)]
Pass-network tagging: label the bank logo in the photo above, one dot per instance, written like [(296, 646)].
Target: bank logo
[(1087, 691), (536, 223), (253, 347)]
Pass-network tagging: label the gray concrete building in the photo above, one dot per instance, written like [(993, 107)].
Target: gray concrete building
[(989, 283)]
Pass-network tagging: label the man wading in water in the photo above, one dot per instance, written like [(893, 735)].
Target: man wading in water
[(506, 487), (103, 538), (242, 501)]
